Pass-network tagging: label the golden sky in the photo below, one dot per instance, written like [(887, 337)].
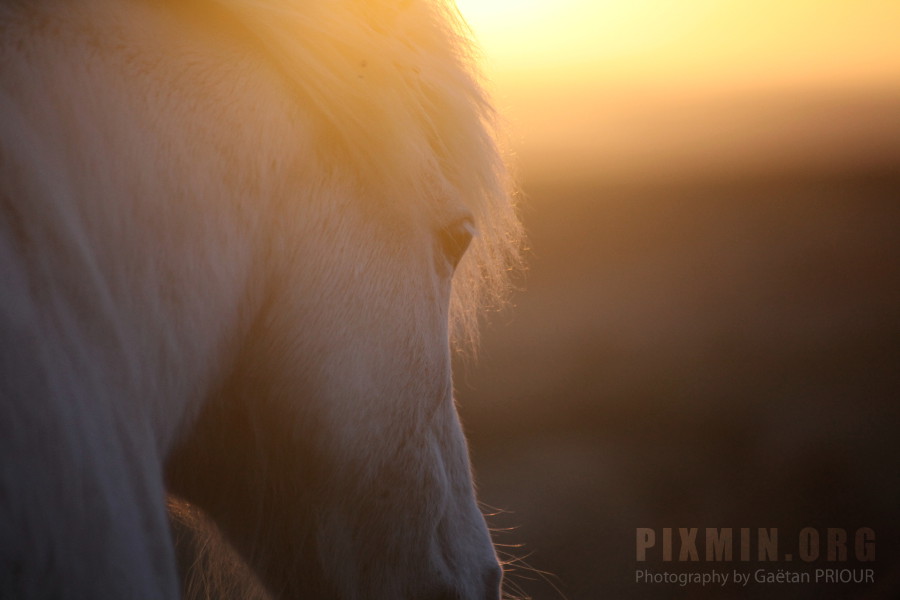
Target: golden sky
[(570, 73)]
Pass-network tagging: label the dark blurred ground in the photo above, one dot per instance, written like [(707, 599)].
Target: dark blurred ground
[(715, 352)]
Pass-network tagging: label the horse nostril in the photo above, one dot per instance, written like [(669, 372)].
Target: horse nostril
[(493, 577)]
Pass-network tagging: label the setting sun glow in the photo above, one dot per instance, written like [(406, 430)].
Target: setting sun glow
[(592, 74), (631, 39)]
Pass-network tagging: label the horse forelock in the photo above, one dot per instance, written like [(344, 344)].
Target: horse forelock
[(397, 96)]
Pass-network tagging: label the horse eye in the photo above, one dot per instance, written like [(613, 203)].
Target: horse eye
[(455, 239)]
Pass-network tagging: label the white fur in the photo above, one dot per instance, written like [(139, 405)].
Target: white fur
[(220, 277)]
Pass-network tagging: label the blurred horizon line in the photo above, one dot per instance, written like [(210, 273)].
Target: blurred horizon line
[(660, 132)]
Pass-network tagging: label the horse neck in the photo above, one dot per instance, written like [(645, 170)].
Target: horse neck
[(150, 232)]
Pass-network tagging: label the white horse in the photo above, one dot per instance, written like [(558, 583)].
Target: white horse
[(228, 230)]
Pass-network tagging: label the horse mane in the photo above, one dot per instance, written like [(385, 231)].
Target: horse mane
[(399, 102)]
